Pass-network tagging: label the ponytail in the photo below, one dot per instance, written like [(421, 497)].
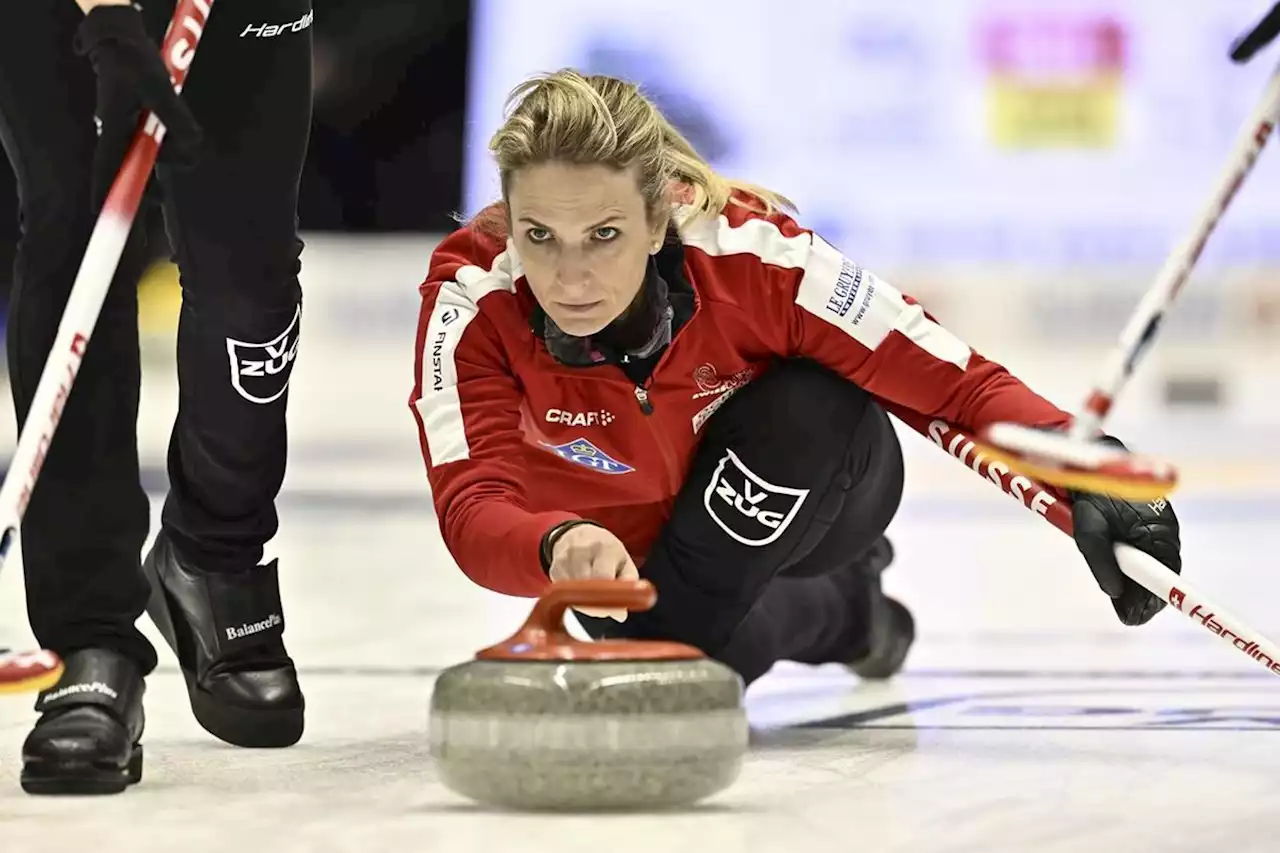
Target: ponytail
[(711, 191)]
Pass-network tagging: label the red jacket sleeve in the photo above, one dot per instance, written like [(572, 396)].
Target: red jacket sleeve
[(847, 318), (467, 405)]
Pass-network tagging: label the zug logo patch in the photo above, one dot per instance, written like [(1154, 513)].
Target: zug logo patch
[(260, 372), (584, 453), (750, 509)]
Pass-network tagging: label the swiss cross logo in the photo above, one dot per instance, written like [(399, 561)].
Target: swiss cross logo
[(1177, 597)]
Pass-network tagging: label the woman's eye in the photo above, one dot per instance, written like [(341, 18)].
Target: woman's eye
[(538, 235), (608, 232)]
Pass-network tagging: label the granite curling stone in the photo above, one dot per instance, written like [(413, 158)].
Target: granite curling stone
[(544, 721)]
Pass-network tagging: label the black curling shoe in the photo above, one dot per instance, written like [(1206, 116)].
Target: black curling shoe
[(227, 630), (88, 737), (891, 629)]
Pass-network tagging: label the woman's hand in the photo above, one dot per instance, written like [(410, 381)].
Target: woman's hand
[(588, 552), (131, 78), (1152, 527)]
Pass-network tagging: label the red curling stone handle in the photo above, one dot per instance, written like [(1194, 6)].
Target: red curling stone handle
[(543, 636)]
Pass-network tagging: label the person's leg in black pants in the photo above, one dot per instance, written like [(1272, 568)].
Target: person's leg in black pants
[(233, 223), (88, 516), (87, 519), (776, 539)]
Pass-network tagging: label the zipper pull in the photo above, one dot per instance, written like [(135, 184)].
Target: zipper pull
[(643, 397)]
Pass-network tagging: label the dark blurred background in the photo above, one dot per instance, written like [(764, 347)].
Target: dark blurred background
[(390, 96), (390, 99)]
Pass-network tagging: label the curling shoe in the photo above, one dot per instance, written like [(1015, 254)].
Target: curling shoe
[(227, 630), (88, 739), (891, 629)]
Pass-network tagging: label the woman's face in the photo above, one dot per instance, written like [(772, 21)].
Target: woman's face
[(584, 240)]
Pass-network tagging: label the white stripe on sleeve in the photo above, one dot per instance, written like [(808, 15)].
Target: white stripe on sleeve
[(439, 404), (833, 288)]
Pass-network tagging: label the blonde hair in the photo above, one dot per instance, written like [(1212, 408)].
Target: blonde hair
[(574, 118)]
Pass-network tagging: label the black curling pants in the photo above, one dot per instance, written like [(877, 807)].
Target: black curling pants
[(232, 222), (796, 479)]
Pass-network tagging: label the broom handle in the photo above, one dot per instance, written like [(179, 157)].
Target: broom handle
[(1148, 572), (101, 257)]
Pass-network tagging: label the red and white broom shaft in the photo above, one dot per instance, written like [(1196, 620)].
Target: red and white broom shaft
[(101, 258), (1185, 596), (1144, 323)]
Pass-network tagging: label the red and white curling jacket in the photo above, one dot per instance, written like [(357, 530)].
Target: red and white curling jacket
[(516, 442)]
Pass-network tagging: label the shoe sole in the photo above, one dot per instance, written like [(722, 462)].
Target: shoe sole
[(256, 728), (251, 728), (43, 777)]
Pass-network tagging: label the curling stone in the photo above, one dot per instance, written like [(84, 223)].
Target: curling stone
[(544, 721)]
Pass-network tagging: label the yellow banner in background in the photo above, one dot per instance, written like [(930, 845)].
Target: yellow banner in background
[(1081, 115), (159, 300)]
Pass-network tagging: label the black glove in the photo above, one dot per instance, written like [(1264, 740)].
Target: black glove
[(1243, 49), (1102, 522), (131, 78)]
